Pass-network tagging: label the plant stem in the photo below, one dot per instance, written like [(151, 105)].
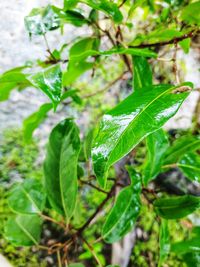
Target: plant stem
[(59, 258)]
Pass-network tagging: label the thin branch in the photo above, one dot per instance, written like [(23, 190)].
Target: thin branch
[(45, 217), (175, 68), (59, 258), (122, 3), (93, 186)]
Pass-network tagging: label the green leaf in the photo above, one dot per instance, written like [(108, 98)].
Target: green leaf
[(125, 211), (176, 207), (107, 7), (27, 197), (186, 246), (69, 4), (142, 74), (10, 80), (191, 14), (34, 120), (23, 230), (122, 128), (41, 20), (185, 45), (157, 144), (60, 167), (180, 147), (164, 242), (192, 259), (76, 265), (190, 166), (112, 266), (49, 81), (88, 144)]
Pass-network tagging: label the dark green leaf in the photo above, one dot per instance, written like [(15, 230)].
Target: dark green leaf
[(27, 197), (23, 230), (10, 80), (142, 74), (192, 259), (122, 128), (191, 14), (34, 120), (190, 166), (60, 167), (50, 82), (157, 144), (125, 211), (180, 147), (107, 7), (176, 207), (41, 20), (164, 242)]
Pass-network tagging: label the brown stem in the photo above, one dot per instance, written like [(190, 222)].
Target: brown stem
[(93, 186)]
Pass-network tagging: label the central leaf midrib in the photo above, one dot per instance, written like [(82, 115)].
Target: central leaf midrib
[(26, 232)]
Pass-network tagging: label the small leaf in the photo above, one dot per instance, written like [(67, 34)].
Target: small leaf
[(185, 45), (27, 197), (34, 120), (176, 207), (107, 7), (41, 20), (50, 82), (123, 127), (60, 167), (69, 4), (23, 230), (157, 144), (164, 242), (191, 14), (142, 74), (125, 211), (180, 147), (10, 80), (190, 166)]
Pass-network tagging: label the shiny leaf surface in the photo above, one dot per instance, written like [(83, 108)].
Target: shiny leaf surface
[(60, 167), (176, 207), (164, 242), (34, 120), (49, 81), (27, 197), (142, 74), (157, 144), (41, 20), (125, 211), (122, 128), (180, 147), (23, 230), (107, 7), (190, 166)]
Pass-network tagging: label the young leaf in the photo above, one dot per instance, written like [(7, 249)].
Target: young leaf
[(180, 147), (27, 197), (50, 82), (69, 4), (176, 207), (142, 74), (157, 144), (41, 20), (60, 167), (190, 166), (10, 80), (122, 128), (34, 120), (107, 7), (185, 45), (164, 242), (23, 230), (191, 14), (125, 211)]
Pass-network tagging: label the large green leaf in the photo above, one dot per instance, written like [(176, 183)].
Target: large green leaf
[(49, 81), (122, 128), (125, 211), (182, 247), (157, 144), (191, 14), (176, 207), (192, 259), (142, 74), (27, 197), (60, 167), (10, 80), (41, 20), (23, 230), (180, 147), (34, 120), (107, 7), (164, 242)]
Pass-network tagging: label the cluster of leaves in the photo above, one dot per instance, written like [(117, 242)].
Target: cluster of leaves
[(140, 116)]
